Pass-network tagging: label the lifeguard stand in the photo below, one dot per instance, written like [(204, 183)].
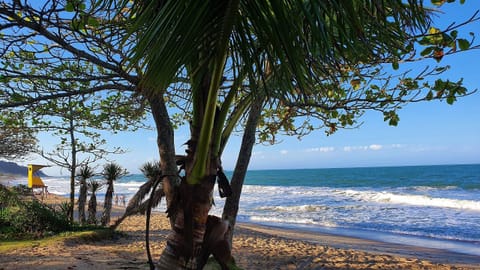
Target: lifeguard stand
[(34, 181)]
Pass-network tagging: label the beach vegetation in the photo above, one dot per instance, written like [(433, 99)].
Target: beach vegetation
[(111, 173), (93, 186), (86, 235), (24, 217), (211, 63), (83, 174), (80, 145)]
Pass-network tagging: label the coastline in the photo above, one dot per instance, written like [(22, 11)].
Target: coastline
[(254, 247)]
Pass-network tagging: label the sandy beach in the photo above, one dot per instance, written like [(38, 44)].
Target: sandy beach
[(254, 247)]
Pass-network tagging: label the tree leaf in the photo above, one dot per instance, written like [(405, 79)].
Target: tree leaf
[(451, 100), (427, 51), (438, 2), (395, 65), (69, 7), (463, 44)]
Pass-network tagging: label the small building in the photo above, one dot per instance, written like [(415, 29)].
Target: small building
[(34, 181)]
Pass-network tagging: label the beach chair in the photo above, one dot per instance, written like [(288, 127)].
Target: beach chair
[(34, 181)]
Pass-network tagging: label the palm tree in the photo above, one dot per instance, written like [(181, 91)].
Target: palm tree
[(111, 172), (153, 173), (265, 42), (138, 203), (84, 174), (93, 187)]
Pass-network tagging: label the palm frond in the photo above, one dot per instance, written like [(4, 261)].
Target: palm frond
[(151, 170), (112, 171), (138, 204), (94, 185), (85, 173)]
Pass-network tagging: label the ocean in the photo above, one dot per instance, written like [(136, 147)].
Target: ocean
[(428, 206)]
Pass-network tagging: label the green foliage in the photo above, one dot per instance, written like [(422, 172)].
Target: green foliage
[(113, 171), (438, 43), (24, 217), (17, 140)]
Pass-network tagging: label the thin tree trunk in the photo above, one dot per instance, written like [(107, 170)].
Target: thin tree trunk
[(82, 199), (73, 167), (107, 205), (166, 147), (230, 210)]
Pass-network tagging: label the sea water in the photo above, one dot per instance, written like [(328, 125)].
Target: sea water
[(431, 206)]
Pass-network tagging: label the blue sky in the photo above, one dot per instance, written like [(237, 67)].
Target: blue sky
[(428, 133)]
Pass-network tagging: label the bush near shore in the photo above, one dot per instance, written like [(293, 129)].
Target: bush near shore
[(22, 216)]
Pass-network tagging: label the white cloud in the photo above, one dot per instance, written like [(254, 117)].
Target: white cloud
[(324, 149), (397, 145), (375, 147), (283, 152), (354, 148)]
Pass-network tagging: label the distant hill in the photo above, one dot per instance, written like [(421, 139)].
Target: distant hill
[(7, 167)]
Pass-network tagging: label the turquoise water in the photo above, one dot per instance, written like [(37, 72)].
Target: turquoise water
[(466, 177), (434, 206)]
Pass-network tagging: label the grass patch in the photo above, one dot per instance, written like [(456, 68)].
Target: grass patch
[(76, 236)]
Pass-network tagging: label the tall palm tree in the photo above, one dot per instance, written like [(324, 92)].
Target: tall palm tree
[(289, 43), (84, 174), (93, 187), (111, 173)]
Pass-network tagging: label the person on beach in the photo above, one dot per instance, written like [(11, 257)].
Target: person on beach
[(116, 199)]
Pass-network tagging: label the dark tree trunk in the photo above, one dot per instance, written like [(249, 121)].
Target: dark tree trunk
[(92, 209), (107, 205), (230, 210), (82, 200), (73, 166), (166, 147), (188, 205)]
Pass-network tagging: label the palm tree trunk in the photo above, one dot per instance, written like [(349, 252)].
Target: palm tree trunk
[(188, 205), (92, 209), (107, 206), (230, 209), (82, 199), (184, 244)]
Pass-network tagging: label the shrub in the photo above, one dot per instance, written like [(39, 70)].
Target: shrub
[(28, 218)]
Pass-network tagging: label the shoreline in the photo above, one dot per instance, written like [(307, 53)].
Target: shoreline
[(464, 247), (348, 242), (255, 247)]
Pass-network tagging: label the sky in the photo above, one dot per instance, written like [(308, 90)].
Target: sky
[(431, 133)]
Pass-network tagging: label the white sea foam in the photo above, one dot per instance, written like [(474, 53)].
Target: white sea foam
[(419, 200), (296, 208), (283, 220)]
